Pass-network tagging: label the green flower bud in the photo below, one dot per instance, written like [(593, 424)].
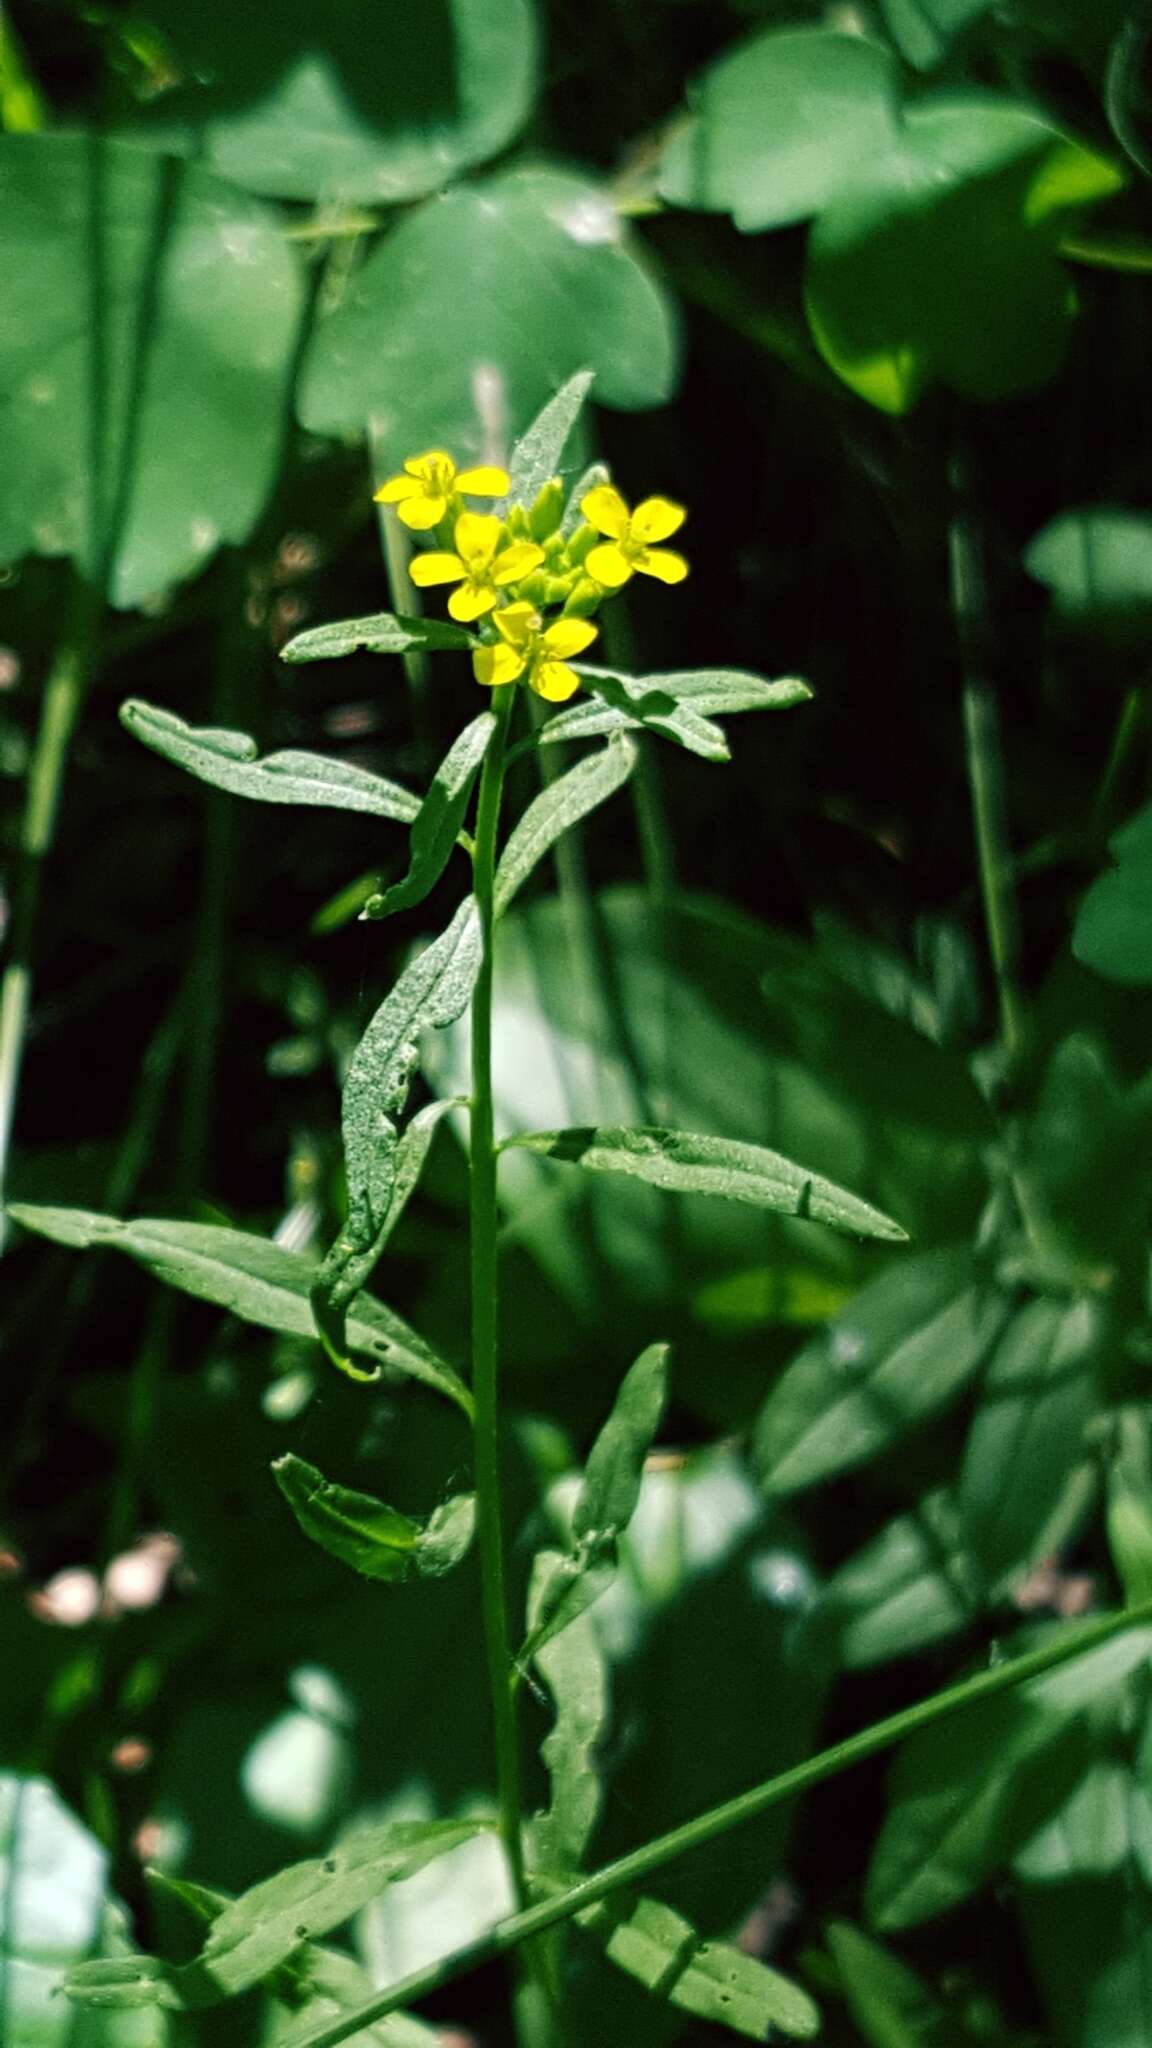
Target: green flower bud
[(584, 600), (581, 544), (548, 510)]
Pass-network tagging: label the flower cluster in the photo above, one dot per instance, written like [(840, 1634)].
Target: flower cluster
[(530, 579)]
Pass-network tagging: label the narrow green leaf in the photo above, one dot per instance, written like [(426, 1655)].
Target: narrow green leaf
[(691, 1162), (889, 2003), (228, 760), (349, 1263), (380, 633), (536, 456), (710, 1979), (1026, 1439), (1104, 1823), (252, 1278), (354, 1527), (615, 1465), (574, 1669), (558, 807), (912, 1585), (267, 1924), (433, 991), (898, 1354), (438, 822), (677, 705)]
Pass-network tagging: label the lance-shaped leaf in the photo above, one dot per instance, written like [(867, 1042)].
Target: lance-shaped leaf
[(558, 807), (536, 456), (380, 633), (362, 1532), (678, 705), (252, 1278), (711, 1979), (438, 822), (349, 1263), (228, 760), (433, 991), (912, 1585), (902, 1349), (693, 1163), (606, 1504), (574, 1669)]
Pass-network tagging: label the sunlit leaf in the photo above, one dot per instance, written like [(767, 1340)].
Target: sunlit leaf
[(291, 105), (710, 1979), (924, 30), (679, 706), (536, 458), (912, 1585), (145, 343), (691, 1162), (1097, 563), (484, 302), (573, 1666), (781, 125), (904, 1348), (379, 633), (558, 807), (250, 1277), (439, 819), (356, 1528), (228, 760)]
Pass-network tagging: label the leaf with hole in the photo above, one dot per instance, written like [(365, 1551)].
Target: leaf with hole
[(710, 1979), (228, 760)]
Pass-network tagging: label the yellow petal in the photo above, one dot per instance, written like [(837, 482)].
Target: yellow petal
[(663, 563), (497, 664), (484, 483), (566, 637), (477, 537), (517, 623), (551, 679), (471, 601), (398, 487), (425, 570), (657, 519), (433, 465), (423, 512), (516, 561), (608, 566), (606, 510)]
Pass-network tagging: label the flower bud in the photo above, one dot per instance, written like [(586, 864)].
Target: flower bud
[(546, 513)]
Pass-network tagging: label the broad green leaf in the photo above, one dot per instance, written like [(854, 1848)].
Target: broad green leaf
[(558, 807), (370, 100), (146, 337), (1084, 1160), (354, 1527), (940, 263), (1113, 932), (710, 1979), (612, 1476), (890, 2004), (351, 1260), (536, 458), (438, 822), (912, 1585), (54, 1909), (523, 279), (379, 633), (1104, 1823), (1091, 1945), (1097, 564), (781, 125), (250, 1277), (228, 760), (964, 1796), (692, 1162), (1026, 1439), (433, 991), (924, 30), (904, 1348), (677, 706), (446, 1536), (574, 1668)]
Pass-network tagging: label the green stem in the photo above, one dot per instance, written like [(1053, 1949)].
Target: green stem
[(984, 759), (484, 1224), (64, 693), (720, 1820)]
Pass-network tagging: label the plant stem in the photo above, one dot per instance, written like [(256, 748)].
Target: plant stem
[(484, 1220), (64, 694), (720, 1820), (984, 760)]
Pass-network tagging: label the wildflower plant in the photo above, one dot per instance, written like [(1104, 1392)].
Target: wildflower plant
[(527, 579)]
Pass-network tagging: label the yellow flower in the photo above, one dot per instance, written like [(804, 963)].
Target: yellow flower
[(423, 493), (629, 548), (480, 565), (527, 645)]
